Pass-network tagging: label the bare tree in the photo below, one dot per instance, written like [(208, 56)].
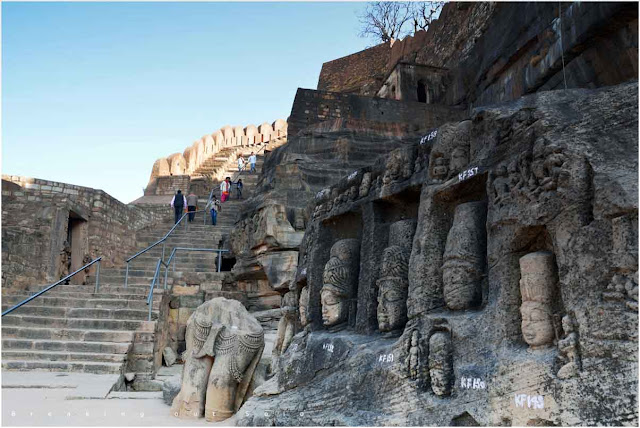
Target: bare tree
[(424, 13), (385, 20)]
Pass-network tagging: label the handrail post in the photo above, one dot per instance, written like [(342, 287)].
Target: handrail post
[(98, 276), (166, 270), (163, 250), (219, 260), (126, 276)]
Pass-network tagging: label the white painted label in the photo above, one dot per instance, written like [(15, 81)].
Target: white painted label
[(529, 401), (321, 193), (385, 358), (353, 175), (430, 136), (472, 383), (465, 175), (294, 347), (304, 271), (328, 347), (234, 327)]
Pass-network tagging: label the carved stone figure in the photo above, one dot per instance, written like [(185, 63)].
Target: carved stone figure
[(399, 167), (537, 280), (414, 362), (464, 257), (287, 324), (65, 260), (304, 307), (224, 346), (568, 348), (339, 281), (440, 363), (440, 169), (393, 284), (500, 185), (459, 159), (365, 184)]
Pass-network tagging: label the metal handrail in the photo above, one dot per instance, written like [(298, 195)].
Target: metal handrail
[(41, 292), (160, 241), (166, 270), (153, 284), (170, 259)]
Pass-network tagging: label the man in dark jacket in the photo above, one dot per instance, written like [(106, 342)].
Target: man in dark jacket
[(178, 203)]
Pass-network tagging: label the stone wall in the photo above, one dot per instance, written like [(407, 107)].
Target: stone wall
[(35, 218), (358, 73), (456, 280), (311, 107)]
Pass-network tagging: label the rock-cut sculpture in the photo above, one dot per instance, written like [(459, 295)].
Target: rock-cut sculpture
[(440, 363), (339, 282), (464, 257), (393, 284), (303, 308), (537, 281), (224, 346)]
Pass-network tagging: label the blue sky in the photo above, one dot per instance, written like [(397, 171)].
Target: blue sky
[(93, 93)]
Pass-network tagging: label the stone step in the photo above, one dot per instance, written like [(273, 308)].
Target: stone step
[(56, 293), (63, 366), (65, 346), (137, 303), (132, 288), (62, 356), (55, 333), (83, 313), (76, 323)]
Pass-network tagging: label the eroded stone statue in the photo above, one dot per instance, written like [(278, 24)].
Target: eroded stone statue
[(304, 307), (287, 324), (364, 185), (393, 284), (537, 281), (440, 363), (339, 281), (568, 348), (414, 362), (224, 346), (464, 257)]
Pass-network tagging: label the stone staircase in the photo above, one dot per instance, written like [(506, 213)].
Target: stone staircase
[(73, 328)]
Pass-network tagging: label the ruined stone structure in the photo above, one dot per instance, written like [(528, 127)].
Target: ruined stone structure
[(208, 158), (445, 237)]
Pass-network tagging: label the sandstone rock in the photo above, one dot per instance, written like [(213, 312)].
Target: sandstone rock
[(169, 356), (171, 388)]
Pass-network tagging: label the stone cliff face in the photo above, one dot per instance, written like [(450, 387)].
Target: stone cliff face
[(495, 278)]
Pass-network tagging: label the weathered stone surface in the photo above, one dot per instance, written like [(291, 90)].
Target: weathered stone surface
[(171, 388), (169, 357), (482, 364)]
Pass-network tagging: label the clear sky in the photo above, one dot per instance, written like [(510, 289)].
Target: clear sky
[(94, 93)]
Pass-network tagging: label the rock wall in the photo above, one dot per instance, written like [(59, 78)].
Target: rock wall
[(35, 221), (519, 288)]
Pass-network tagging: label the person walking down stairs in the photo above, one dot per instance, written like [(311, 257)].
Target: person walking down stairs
[(178, 203), (192, 203), (239, 186), (252, 161), (225, 188), (241, 163), (214, 207)]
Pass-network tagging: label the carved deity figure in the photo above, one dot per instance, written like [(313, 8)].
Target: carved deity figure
[(224, 346), (459, 159), (399, 166), (304, 307), (440, 363), (464, 257), (364, 185), (537, 281), (339, 281), (287, 324), (414, 362), (440, 169), (65, 260), (568, 348), (393, 284), (500, 185)]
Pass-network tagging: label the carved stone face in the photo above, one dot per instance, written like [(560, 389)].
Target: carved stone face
[(303, 308), (440, 369), (392, 303), (537, 325), (334, 308), (461, 285), (459, 160)]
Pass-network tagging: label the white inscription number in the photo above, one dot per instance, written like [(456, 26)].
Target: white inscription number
[(530, 401), (353, 175), (385, 358), (464, 175), (328, 347), (430, 136), (472, 383)]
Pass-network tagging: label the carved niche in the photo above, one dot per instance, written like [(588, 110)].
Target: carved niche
[(393, 284), (464, 257), (340, 280), (538, 279), (441, 361)]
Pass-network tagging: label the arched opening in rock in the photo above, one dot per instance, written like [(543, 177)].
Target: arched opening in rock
[(422, 92), (464, 420)]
